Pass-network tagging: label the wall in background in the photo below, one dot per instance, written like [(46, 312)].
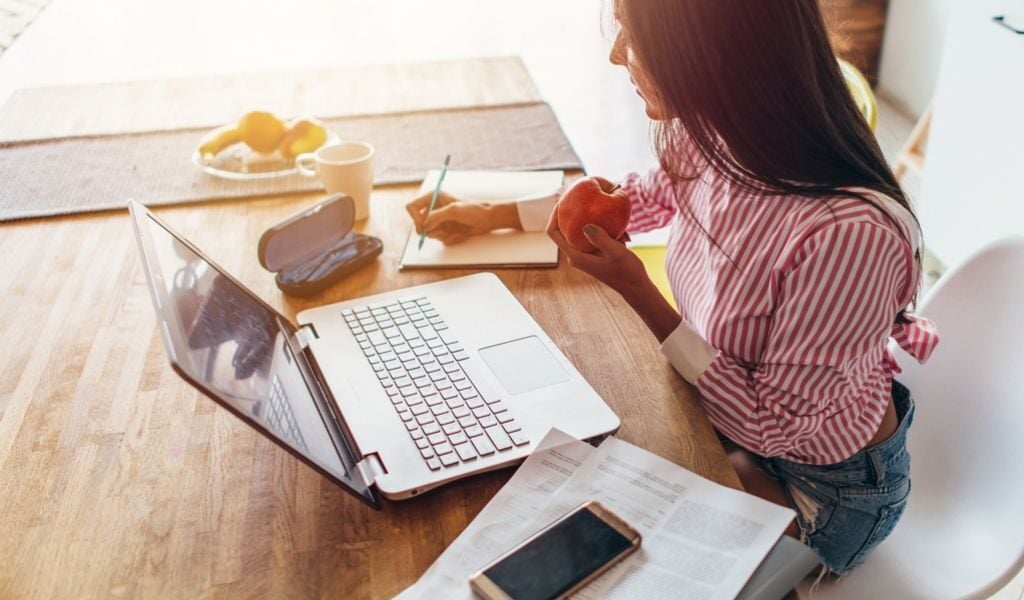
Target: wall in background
[(915, 34)]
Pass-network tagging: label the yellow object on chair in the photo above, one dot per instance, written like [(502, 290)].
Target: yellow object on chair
[(653, 258), (860, 89)]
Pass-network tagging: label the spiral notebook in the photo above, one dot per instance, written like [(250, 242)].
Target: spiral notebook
[(498, 249)]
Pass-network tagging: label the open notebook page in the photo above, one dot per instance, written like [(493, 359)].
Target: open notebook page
[(497, 249)]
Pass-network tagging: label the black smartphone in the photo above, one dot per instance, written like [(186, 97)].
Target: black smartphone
[(559, 559)]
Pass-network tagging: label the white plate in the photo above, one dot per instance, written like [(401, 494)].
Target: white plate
[(241, 163)]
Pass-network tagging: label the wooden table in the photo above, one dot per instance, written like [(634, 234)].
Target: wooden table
[(118, 479)]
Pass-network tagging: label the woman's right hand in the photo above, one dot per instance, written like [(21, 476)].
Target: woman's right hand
[(453, 221)]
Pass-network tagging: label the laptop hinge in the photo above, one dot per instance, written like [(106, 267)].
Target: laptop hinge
[(304, 334), (371, 467)]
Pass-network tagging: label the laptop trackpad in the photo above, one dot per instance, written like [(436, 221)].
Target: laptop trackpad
[(523, 365)]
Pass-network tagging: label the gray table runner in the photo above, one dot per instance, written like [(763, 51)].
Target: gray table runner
[(92, 173)]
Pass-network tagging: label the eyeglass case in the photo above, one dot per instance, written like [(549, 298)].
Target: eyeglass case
[(317, 248)]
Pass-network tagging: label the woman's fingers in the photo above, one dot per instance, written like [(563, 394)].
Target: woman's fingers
[(604, 242), (581, 260), (441, 216), (417, 209)]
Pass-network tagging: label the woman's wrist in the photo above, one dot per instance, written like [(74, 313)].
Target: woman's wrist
[(503, 215), (648, 302)]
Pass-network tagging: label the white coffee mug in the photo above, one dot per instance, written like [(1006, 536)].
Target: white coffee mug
[(345, 168)]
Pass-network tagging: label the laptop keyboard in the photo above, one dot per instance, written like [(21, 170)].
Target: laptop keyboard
[(451, 415)]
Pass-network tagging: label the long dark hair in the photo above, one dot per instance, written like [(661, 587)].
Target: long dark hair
[(755, 87)]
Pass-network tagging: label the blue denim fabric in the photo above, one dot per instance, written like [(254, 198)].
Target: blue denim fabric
[(846, 509)]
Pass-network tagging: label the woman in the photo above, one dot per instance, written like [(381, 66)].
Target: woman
[(793, 255)]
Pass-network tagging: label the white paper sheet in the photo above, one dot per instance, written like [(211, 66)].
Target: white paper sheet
[(701, 540)]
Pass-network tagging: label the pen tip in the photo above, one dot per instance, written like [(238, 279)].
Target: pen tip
[(447, 159)]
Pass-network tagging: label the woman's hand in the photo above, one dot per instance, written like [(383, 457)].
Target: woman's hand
[(616, 266), (612, 263), (453, 221)]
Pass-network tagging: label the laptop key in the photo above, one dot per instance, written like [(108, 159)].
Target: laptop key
[(504, 417), (422, 443), (488, 421), (425, 419), (474, 431), (431, 428), (474, 402), (440, 409), (433, 463), (467, 421), (458, 438), (442, 448), (460, 411), (417, 434), (437, 438), (451, 428), (481, 412), (499, 437), (518, 438), (511, 427), (461, 356), (427, 452), (445, 418), (482, 444), (465, 451), (449, 459)]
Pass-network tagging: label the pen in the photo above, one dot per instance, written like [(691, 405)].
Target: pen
[(433, 199)]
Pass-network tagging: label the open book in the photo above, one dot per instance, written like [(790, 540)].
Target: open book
[(499, 248), (701, 539)]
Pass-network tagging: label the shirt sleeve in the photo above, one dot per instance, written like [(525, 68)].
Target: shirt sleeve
[(838, 297), (535, 210), (688, 352), (652, 200)]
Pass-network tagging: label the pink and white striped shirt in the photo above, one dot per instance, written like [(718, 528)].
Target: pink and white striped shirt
[(787, 341)]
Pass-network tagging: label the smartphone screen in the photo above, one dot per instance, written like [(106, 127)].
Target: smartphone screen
[(558, 559)]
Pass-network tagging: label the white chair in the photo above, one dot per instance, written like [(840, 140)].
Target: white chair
[(962, 535)]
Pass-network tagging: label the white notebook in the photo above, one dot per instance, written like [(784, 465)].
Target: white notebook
[(505, 248)]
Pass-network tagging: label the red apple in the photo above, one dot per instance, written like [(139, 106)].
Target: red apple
[(590, 201)]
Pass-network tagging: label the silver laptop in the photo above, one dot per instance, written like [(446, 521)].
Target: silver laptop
[(391, 394)]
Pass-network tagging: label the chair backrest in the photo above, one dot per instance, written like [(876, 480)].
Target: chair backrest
[(967, 442)]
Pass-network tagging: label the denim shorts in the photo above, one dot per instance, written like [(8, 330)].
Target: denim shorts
[(846, 509)]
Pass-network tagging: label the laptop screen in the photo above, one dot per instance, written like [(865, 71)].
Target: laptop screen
[(235, 348)]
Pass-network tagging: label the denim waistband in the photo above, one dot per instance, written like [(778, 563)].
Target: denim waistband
[(870, 463)]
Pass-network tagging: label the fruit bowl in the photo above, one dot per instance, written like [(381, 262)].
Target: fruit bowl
[(239, 162)]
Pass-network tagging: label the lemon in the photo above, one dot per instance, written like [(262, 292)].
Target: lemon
[(305, 135), (261, 130)]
